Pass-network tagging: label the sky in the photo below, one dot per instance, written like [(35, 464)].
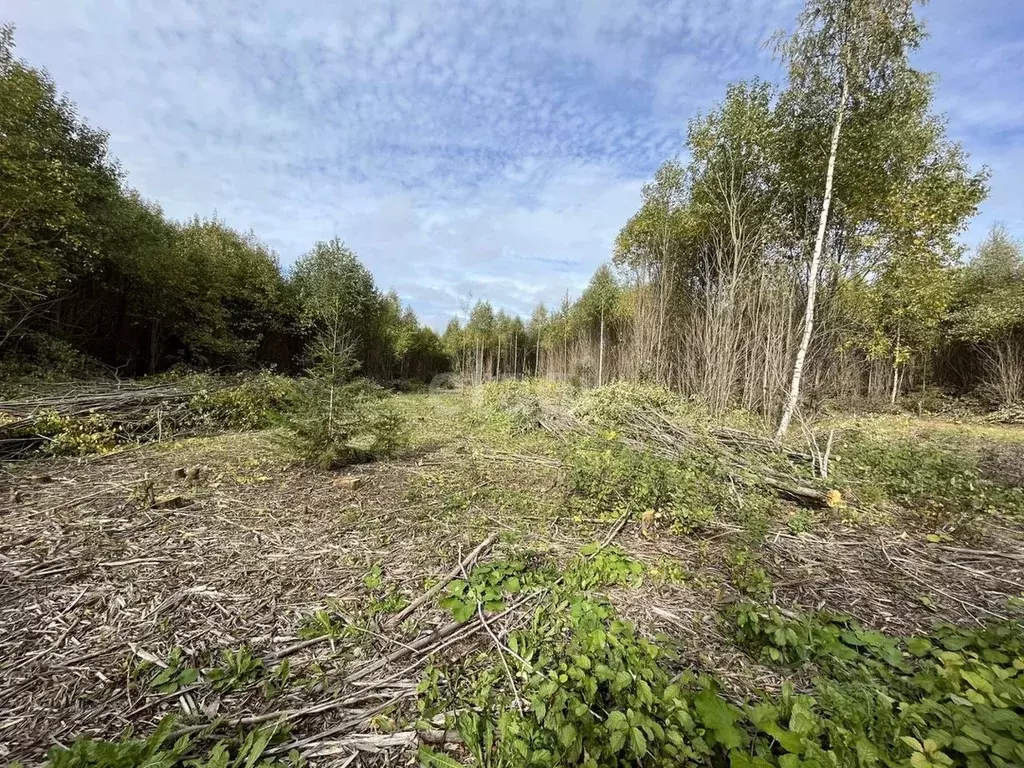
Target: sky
[(464, 149)]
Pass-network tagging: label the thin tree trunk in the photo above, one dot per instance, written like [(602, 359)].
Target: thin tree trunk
[(600, 354), (812, 282), (153, 338), (895, 371), (565, 357)]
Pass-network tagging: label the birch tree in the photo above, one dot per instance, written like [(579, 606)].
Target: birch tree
[(842, 52), (596, 305)]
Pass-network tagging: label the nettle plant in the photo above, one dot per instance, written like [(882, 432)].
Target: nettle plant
[(618, 480), (952, 698), (597, 696), (488, 585), (178, 673)]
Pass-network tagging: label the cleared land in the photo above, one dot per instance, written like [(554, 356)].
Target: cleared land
[(178, 577)]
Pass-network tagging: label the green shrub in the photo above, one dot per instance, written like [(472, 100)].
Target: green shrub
[(597, 696), (75, 435), (489, 584), (618, 480), (254, 403), (513, 404), (595, 691), (747, 575), (578, 686), (615, 404), (604, 567), (952, 698)]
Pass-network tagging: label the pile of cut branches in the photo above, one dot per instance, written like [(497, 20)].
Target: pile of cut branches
[(77, 419), (750, 459), (143, 411)]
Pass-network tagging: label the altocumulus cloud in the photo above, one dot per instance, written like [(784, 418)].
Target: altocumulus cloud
[(464, 149)]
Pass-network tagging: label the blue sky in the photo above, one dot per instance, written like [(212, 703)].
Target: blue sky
[(466, 148)]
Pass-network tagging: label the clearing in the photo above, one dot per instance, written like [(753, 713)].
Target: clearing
[(214, 579)]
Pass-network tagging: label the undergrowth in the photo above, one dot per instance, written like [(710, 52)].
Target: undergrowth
[(77, 435), (254, 402), (580, 686), (953, 698), (615, 480), (160, 751), (941, 483), (513, 405)]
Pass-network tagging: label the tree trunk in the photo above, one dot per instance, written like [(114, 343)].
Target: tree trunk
[(565, 357), (153, 339), (536, 364), (600, 354), (812, 282), (895, 370)]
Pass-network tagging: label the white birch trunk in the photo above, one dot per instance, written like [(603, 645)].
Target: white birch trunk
[(812, 283)]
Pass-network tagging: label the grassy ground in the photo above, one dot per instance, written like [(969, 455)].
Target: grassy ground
[(214, 579)]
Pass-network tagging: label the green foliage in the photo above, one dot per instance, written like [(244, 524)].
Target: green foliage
[(387, 427), (126, 753), (585, 689), (42, 357), (253, 404), (747, 576), (514, 403), (239, 669), (604, 567), (488, 585), (617, 480), (598, 696), (156, 751), (953, 698), (55, 173), (432, 758), (990, 290), (322, 623), (942, 482), (612, 405), (176, 675), (335, 421), (75, 435)]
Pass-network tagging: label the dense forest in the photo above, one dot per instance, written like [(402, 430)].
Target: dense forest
[(94, 276)]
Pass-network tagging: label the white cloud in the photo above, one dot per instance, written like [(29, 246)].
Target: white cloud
[(458, 147)]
